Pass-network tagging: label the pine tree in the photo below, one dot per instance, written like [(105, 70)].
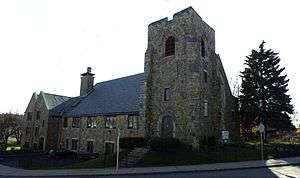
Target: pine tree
[(264, 95)]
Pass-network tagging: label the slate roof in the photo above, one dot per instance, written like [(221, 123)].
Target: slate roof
[(118, 96), (65, 107), (52, 100)]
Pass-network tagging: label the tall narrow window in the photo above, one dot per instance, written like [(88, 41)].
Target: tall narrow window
[(74, 144), (203, 54), (65, 122), (205, 76), (38, 115), (167, 94), (29, 116), (67, 144), (27, 131), (205, 108), (36, 131), (170, 46), (90, 146)]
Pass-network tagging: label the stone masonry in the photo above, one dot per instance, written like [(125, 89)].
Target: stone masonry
[(195, 78), (183, 93)]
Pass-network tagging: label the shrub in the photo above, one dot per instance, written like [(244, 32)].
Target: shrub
[(211, 141), (207, 141), (165, 144), (132, 142)]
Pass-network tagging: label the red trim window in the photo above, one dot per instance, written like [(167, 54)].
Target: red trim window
[(170, 46)]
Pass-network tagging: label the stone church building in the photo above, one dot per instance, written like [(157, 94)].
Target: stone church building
[(183, 93)]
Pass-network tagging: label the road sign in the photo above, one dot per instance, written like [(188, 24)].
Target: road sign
[(225, 135), (261, 128)]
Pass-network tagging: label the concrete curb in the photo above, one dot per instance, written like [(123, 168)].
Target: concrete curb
[(154, 170)]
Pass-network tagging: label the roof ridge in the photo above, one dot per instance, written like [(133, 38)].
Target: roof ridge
[(57, 95), (118, 78)]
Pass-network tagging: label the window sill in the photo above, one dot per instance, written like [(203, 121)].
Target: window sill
[(170, 56)]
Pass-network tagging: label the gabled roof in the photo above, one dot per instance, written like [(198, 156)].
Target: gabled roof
[(118, 96), (52, 100)]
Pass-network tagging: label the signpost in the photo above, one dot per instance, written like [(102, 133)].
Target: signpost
[(261, 129), (225, 136), (118, 149)]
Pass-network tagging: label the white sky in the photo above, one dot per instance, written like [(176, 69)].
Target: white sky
[(46, 45)]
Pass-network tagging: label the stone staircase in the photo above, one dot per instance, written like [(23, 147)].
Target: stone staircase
[(133, 157)]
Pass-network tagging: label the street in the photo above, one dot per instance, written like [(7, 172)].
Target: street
[(281, 172)]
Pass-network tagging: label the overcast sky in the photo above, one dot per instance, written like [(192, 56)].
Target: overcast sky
[(46, 45)]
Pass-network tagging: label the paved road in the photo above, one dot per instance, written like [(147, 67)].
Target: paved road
[(274, 172)]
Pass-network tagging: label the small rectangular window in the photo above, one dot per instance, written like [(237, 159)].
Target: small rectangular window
[(109, 148), (167, 94), (74, 144), (38, 115), (91, 122), (67, 144), (90, 146), (27, 130), (132, 122), (75, 122), (205, 76), (36, 131), (65, 124), (205, 108), (43, 123), (110, 122), (29, 116)]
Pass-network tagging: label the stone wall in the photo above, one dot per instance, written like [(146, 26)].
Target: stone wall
[(99, 135), (33, 138), (183, 73)]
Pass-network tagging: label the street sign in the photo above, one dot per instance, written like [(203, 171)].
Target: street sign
[(261, 128), (225, 136)]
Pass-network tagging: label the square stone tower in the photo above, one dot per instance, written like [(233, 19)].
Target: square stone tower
[(186, 93)]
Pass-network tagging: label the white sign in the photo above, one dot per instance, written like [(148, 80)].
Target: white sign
[(225, 135), (261, 128)]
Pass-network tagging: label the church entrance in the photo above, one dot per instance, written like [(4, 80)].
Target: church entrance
[(167, 127)]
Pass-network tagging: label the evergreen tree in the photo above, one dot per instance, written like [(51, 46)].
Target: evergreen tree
[(264, 95)]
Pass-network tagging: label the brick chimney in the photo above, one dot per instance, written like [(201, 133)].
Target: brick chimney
[(87, 82)]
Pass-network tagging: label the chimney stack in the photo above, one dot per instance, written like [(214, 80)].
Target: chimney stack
[(87, 82)]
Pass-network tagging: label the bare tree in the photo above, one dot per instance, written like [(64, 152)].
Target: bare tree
[(10, 126)]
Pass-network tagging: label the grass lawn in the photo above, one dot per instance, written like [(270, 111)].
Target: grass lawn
[(208, 155), (99, 162)]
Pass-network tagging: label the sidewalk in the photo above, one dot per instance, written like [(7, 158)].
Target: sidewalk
[(9, 171)]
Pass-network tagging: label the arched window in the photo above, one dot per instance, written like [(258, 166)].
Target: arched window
[(202, 48), (170, 46)]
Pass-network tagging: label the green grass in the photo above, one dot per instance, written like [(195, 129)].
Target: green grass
[(99, 162), (209, 155), (279, 141)]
